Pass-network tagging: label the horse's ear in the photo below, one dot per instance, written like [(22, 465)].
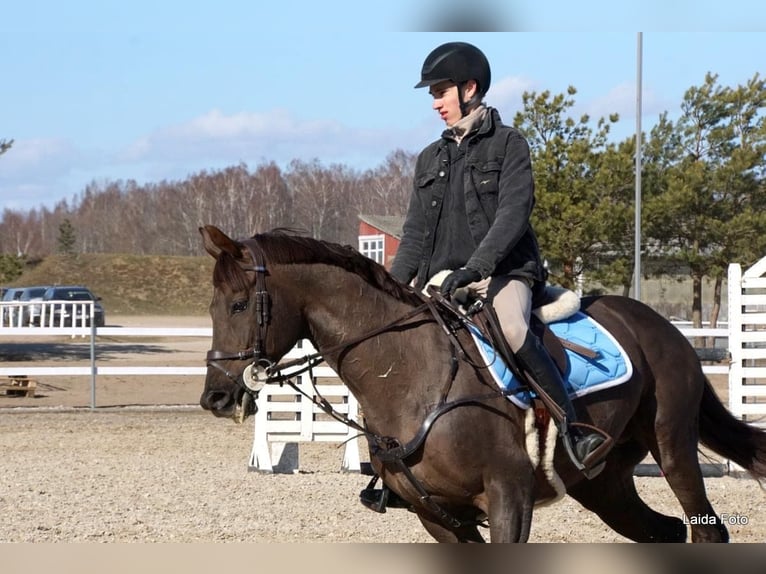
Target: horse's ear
[(217, 241)]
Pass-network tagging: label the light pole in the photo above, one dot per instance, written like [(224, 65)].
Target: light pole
[(637, 249)]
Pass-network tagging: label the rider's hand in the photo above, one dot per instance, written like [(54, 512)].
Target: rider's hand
[(457, 279)]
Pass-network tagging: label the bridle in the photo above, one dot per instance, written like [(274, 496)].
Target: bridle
[(261, 368)]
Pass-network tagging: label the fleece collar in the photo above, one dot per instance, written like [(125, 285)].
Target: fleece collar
[(467, 125)]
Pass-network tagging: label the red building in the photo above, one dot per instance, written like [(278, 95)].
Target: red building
[(379, 237)]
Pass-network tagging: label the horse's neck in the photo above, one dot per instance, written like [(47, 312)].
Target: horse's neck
[(349, 310), (396, 374)]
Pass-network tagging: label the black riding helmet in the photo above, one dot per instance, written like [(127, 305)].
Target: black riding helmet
[(457, 62)]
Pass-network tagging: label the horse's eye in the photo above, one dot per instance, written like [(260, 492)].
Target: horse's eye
[(238, 307)]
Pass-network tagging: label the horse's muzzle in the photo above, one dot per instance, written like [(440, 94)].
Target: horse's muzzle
[(235, 404)]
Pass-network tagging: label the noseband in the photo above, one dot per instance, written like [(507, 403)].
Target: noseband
[(258, 372)]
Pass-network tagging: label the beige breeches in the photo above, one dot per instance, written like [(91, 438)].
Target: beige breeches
[(512, 299)]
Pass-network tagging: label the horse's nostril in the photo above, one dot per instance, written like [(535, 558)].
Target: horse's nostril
[(215, 400)]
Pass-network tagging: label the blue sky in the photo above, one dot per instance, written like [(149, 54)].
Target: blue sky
[(150, 91)]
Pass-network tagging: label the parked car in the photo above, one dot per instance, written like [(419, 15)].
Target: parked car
[(64, 313), (6, 314), (31, 313), (12, 293)]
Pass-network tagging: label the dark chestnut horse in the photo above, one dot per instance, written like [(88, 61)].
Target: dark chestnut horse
[(472, 462)]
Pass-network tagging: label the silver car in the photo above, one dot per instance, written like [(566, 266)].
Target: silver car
[(30, 314), (7, 314)]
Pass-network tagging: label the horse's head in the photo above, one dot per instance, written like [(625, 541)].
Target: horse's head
[(251, 331)]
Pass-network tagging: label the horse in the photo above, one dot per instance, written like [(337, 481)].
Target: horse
[(471, 464)]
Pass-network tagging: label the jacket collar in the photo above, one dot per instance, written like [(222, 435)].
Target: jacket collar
[(485, 119), (467, 125)]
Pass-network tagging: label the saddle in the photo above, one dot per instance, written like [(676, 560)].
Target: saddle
[(556, 303), (483, 317)]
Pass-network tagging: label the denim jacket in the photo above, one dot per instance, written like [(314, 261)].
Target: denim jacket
[(498, 188)]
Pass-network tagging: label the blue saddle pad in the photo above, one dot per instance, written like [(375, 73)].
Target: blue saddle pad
[(583, 375)]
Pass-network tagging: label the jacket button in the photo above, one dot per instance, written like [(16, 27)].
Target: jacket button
[(433, 203), (441, 173)]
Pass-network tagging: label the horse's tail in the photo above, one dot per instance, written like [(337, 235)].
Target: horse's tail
[(738, 441)]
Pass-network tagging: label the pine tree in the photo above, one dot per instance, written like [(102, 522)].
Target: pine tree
[(67, 237), (583, 185), (707, 208), (11, 267)]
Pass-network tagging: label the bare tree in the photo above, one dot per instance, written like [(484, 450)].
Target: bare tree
[(321, 198), (386, 190), (163, 217)]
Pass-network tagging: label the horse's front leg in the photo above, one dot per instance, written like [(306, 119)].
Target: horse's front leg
[(511, 502)]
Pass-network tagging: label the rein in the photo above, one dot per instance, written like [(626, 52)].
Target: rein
[(345, 345)]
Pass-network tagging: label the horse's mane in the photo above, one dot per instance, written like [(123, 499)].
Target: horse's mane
[(286, 247)]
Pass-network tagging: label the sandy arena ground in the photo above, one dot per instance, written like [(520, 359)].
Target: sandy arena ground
[(126, 472)]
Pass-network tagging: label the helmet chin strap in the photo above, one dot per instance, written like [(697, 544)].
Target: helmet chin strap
[(467, 107)]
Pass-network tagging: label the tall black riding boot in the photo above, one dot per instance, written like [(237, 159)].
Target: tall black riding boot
[(534, 358)]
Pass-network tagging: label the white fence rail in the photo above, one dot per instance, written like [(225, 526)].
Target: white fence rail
[(54, 314), (93, 369), (284, 418)]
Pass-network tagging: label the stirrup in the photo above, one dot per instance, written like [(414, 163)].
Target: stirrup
[(595, 462), (373, 498), (379, 499)]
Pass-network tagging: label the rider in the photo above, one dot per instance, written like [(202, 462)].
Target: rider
[(470, 212)]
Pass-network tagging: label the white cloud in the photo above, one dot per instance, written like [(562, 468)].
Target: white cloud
[(42, 172), (34, 171), (37, 156), (506, 94), (622, 100), (217, 125), (275, 135)]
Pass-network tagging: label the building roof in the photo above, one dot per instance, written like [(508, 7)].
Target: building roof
[(389, 224)]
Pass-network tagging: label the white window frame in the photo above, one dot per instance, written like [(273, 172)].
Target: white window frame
[(373, 246)]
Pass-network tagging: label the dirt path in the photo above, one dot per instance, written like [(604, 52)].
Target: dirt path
[(180, 475)]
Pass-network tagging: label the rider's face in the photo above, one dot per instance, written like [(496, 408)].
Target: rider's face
[(446, 101)]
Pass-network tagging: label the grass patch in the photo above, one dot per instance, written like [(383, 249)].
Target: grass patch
[(131, 284)]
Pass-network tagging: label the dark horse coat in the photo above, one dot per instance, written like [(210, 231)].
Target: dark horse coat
[(275, 289)]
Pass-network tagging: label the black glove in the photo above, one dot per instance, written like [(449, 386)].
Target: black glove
[(457, 279)]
